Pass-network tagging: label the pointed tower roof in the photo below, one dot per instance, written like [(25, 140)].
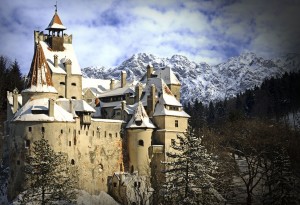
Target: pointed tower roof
[(140, 118), (40, 79), (56, 23)]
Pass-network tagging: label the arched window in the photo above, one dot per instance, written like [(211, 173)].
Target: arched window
[(141, 142)]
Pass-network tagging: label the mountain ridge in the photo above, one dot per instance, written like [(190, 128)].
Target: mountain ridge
[(202, 81)]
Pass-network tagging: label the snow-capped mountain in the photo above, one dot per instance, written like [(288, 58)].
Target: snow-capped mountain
[(202, 81)]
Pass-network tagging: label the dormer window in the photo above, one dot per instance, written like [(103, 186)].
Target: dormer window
[(138, 122)]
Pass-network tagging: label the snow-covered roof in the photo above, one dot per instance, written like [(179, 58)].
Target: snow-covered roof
[(40, 79), (63, 56), (129, 108), (160, 109), (167, 97), (25, 113), (78, 105), (97, 86), (56, 23), (140, 118), (167, 75), (110, 104), (128, 88), (106, 120)]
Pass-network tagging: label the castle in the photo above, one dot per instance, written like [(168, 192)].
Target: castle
[(107, 128)]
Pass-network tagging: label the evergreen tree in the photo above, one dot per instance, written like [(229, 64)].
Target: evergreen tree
[(15, 78), (280, 182), (3, 77), (189, 170), (48, 176)]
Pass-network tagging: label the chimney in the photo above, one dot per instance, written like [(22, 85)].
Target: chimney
[(112, 84), (15, 100), (151, 101), (123, 78), (68, 66), (123, 107), (51, 108), (138, 92), (149, 70), (55, 61)]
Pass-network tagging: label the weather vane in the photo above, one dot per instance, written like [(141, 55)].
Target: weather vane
[(55, 7)]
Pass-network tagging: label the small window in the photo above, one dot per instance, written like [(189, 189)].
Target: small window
[(116, 134), (27, 143), (73, 97), (115, 184), (79, 132), (87, 133), (73, 84), (61, 131), (135, 184), (60, 96), (105, 134), (43, 129), (29, 129), (62, 83), (70, 143), (110, 135), (141, 142), (72, 161), (93, 133), (176, 123), (75, 140), (18, 162)]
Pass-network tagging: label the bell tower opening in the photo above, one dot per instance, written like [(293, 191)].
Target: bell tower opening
[(56, 33)]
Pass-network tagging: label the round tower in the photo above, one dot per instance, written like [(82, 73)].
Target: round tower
[(139, 134)]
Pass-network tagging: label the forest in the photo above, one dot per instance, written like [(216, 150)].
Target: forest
[(255, 138)]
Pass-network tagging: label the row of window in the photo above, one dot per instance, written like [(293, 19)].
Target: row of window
[(63, 83)]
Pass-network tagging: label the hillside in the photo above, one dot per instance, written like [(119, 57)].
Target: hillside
[(202, 81)]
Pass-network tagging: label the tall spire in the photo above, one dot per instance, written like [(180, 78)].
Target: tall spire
[(40, 74), (56, 24)]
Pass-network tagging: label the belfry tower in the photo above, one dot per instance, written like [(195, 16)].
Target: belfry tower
[(56, 33)]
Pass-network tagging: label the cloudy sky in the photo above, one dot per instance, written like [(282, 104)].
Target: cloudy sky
[(105, 33)]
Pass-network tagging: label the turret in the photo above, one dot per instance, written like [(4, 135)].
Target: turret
[(139, 132)]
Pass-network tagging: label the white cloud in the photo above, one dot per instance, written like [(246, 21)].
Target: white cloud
[(107, 32)]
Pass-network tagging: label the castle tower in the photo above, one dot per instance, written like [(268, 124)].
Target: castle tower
[(139, 133), (40, 81), (61, 59), (169, 117)]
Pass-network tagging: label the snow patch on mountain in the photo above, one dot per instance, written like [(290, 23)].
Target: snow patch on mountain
[(202, 81)]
